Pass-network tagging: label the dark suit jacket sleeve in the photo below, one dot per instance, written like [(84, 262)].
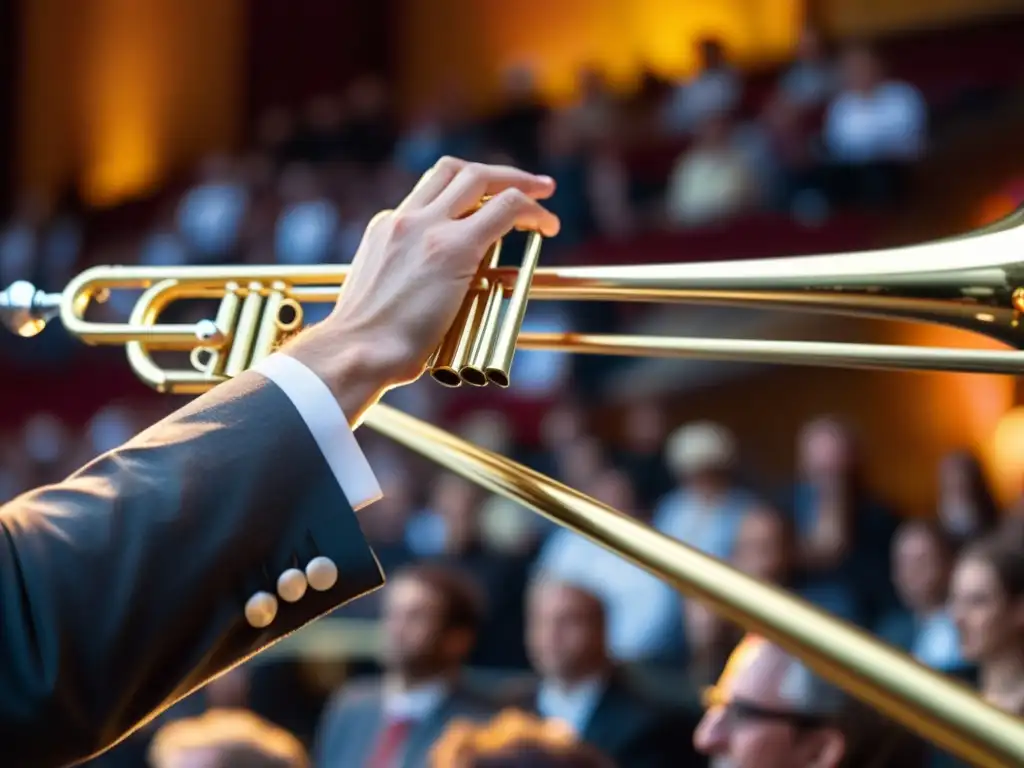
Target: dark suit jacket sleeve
[(123, 588)]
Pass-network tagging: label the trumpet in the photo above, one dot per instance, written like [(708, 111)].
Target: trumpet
[(974, 282)]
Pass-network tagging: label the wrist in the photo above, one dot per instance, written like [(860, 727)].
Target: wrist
[(356, 371)]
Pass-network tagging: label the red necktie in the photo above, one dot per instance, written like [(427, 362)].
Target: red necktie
[(389, 745)]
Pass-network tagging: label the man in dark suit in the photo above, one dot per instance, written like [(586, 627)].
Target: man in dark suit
[(230, 524), (579, 685), (431, 619)]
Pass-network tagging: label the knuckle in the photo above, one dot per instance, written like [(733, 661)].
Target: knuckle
[(515, 198), (402, 223), (448, 163), (380, 219), (476, 172), (435, 241)]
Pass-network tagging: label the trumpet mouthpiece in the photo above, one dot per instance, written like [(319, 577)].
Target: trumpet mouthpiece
[(26, 310)]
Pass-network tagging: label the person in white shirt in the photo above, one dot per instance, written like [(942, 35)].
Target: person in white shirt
[(717, 88), (230, 524), (714, 179), (873, 128)]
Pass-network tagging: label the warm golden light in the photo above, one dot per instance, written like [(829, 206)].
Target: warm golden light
[(475, 40), (127, 92), (1007, 454)]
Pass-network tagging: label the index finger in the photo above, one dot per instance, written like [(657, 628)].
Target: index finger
[(478, 181)]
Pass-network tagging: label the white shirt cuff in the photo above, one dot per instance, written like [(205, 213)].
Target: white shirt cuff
[(323, 416)]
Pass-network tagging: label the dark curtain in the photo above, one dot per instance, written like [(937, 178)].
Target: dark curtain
[(303, 48), (10, 52)]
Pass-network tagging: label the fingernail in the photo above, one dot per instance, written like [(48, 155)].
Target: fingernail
[(546, 179)]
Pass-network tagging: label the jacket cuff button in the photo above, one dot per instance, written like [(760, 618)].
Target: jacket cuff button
[(322, 573)]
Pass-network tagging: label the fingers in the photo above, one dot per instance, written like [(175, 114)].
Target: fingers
[(476, 181), (510, 209), (433, 183)]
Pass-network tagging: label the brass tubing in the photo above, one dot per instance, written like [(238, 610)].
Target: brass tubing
[(472, 371), (227, 318), (455, 346), (499, 365), (454, 351), (942, 711), (831, 354), (245, 330), (269, 331)]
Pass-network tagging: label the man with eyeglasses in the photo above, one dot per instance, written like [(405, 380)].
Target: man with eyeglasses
[(769, 710)]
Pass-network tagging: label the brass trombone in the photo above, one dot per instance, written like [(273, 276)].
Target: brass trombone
[(975, 282)]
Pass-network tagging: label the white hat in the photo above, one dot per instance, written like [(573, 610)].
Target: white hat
[(700, 446)]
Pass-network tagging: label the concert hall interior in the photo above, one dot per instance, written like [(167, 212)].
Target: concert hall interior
[(168, 133)]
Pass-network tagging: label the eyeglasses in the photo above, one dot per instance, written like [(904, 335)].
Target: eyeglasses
[(737, 711)]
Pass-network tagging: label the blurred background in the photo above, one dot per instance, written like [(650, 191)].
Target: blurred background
[(261, 131)]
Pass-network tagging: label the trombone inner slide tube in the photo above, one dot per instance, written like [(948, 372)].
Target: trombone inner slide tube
[(942, 711)]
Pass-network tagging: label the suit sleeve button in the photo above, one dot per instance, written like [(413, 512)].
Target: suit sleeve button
[(291, 585), (322, 573), (261, 610)]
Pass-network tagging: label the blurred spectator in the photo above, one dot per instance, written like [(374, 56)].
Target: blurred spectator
[(430, 622), (579, 685), (781, 148), (642, 612), (713, 180), (595, 115), (987, 604), (226, 738), (502, 577), (765, 549), (922, 566), (641, 453), (716, 89), (769, 710), (369, 134), (563, 157), (967, 507), (514, 130), (443, 128), (706, 508), (811, 79), (844, 532), (874, 129), (307, 228), (211, 214)]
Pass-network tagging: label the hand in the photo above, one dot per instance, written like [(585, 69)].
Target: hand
[(412, 271)]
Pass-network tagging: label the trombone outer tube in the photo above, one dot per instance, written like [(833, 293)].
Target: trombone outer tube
[(944, 712)]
